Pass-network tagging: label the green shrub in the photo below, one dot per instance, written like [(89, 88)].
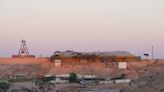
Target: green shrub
[(4, 86), (73, 78)]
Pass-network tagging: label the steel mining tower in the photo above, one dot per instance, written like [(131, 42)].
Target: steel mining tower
[(23, 51)]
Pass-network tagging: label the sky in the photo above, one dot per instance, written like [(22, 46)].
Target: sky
[(82, 25)]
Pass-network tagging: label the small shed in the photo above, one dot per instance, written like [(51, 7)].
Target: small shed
[(123, 81), (57, 62), (122, 65)]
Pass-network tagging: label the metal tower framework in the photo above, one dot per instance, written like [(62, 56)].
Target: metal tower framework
[(23, 51)]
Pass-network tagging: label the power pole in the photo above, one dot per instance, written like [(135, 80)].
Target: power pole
[(152, 52)]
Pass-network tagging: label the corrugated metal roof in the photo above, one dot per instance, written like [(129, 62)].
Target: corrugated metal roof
[(110, 90)]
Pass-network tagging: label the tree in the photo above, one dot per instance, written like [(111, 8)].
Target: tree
[(73, 78), (3, 86)]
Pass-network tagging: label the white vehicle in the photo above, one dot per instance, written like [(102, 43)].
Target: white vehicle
[(84, 82)]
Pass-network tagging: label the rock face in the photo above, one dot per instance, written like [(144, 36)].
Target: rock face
[(151, 79)]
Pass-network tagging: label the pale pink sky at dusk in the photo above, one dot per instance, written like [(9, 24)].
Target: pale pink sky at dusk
[(82, 25)]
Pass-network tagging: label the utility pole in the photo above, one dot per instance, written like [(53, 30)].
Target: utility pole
[(32, 84), (152, 52)]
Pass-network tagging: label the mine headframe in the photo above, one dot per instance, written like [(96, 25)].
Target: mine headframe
[(23, 51)]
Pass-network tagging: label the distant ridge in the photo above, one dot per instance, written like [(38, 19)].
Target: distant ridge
[(98, 53), (111, 53)]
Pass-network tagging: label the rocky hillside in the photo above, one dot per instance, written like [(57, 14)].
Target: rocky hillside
[(112, 53)]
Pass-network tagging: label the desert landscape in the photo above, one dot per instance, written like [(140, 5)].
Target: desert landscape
[(143, 75), (81, 46)]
